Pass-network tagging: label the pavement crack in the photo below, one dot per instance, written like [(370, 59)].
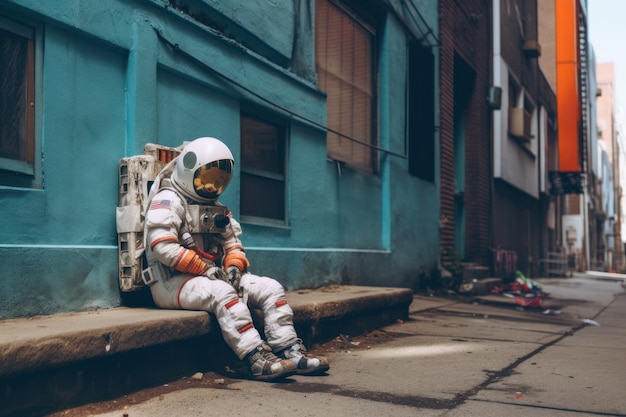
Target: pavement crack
[(544, 407), (378, 396), (495, 376)]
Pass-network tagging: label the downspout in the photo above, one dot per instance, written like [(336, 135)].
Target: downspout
[(586, 220), (495, 115), (497, 82)]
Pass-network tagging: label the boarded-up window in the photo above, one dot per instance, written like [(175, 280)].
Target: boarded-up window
[(17, 95), (262, 170), (345, 62)]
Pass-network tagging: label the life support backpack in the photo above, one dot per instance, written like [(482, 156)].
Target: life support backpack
[(136, 176)]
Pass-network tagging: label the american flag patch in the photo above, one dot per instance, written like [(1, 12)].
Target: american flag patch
[(160, 204)]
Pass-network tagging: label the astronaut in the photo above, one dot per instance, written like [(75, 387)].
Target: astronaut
[(209, 271)]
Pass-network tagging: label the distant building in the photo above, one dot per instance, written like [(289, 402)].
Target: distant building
[(608, 136)]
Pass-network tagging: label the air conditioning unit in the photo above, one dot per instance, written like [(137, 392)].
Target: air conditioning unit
[(532, 49), (519, 123)]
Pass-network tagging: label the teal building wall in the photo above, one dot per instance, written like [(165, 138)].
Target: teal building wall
[(114, 75)]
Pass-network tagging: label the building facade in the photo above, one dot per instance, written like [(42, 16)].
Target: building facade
[(329, 108), (588, 170), (377, 142), (523, 132), (464, 127)]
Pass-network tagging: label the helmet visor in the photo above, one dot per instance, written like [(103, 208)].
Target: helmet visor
[(210, 180)]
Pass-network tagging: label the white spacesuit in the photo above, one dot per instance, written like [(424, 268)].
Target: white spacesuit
[(197, 262)]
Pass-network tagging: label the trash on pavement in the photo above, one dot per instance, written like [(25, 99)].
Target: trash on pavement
[(535, 301), (549, 311), (525, 291), (348, 338), (525, 284)]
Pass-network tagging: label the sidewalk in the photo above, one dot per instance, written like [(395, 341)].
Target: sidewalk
[(39, 352), (453, 357)]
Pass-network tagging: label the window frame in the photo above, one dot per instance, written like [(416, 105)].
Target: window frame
[(282, 127), (27, 172)]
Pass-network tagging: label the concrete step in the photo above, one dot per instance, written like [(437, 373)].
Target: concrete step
[(472, 272), (31, 344), (66, 360)]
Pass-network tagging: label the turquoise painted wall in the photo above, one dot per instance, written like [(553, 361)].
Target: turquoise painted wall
[(110, 85)]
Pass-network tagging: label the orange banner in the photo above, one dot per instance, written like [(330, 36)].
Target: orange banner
[(567, 90)]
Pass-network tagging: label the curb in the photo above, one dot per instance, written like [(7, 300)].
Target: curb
[(53, 362)]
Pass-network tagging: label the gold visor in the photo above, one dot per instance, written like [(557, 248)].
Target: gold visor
[(210, 180)]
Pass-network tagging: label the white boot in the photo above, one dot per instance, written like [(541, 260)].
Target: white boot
[(265, 366), (304, 364)]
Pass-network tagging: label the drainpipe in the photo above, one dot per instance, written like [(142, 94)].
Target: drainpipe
[(495, 118), (496, 82), (586, 222)]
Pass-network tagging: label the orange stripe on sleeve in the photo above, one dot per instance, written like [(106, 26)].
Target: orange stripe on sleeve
[(234, 247), (189, 261), (167, 238), (237, 259)]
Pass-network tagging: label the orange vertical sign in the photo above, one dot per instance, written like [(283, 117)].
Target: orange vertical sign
[(567, 88)]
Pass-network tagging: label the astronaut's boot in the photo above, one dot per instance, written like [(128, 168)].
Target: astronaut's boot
[(305, 364), (265, 366)]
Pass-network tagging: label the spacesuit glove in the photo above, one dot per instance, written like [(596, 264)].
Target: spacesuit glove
[(234, 277), (214, 272)]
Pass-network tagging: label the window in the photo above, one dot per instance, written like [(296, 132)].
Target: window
[(421, 112), (572, 204), (17, 103), (262, 170), (514, 93), (345, 61)]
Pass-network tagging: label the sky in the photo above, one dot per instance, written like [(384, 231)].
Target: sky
[(607, 34)]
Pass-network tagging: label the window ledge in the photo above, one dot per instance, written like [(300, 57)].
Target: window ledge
[(261, 221), (523, 142), (16, 166)]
